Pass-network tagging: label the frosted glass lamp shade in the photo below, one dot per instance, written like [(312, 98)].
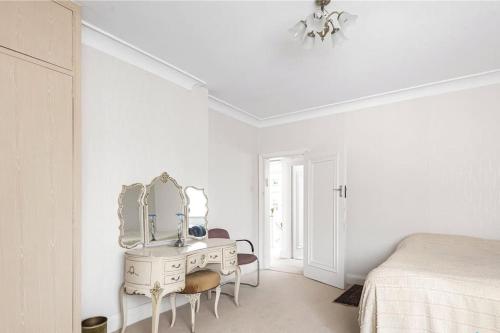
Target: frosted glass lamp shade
[(316, 22), (337, 38), (298, 29), (346, 19)]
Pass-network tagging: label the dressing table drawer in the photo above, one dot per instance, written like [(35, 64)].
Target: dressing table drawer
[(214, 257), (196, 261), (174, 265), (229, 252), (138, 272), (174, 278), (230, 263)]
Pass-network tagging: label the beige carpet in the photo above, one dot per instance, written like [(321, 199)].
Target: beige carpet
[(282, 303), (287, 265)]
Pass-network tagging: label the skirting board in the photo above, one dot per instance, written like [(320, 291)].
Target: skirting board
[(355, 279), (143, 311)]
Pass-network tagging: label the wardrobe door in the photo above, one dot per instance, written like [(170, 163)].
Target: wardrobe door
[(40, 29), (36, 197)]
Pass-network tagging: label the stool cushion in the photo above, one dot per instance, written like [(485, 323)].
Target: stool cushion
[(201, 281), (246, 258)]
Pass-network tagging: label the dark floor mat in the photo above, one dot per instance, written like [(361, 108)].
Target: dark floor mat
[(351, 296)]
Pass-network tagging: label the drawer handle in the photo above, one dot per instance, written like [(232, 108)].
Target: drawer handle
[(214, 257), (232, 252), (131, 271), (232, 262), (175, 279), (176, 266), (193, 261)]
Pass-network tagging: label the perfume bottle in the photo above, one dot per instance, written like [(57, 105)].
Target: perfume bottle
[(180, 240), (152, 226)]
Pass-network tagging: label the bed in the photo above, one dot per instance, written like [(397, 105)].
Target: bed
[(434, 283)]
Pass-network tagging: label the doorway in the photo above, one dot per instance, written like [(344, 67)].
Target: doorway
[(302, 200), (285, 202)]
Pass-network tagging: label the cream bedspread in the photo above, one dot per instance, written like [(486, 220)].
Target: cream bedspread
[(435, 283)]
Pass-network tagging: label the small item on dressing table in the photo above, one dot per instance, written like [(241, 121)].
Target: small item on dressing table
[(180, 241)]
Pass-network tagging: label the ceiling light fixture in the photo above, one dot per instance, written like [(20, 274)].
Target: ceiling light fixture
[(322, 24)]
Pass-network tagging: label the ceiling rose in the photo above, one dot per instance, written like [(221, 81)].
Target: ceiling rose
[(322, 25)]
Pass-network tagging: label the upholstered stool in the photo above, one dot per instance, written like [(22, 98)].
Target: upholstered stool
[(197, 283)]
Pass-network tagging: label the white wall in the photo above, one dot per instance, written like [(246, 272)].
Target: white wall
[(233, 177), (429, 164), (425, 165), (134, 126)]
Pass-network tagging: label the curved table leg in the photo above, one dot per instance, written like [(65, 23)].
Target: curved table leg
[(174, 308), (156, 297), (123, 307), (237, 286)]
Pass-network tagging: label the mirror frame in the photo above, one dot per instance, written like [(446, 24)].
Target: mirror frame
[(164, 178), (121, 206), (187, 211)]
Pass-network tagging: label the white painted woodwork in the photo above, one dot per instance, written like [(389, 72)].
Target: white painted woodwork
[(39, 144), (41, 29), (264, 244), (286, 206), (298, 211), (324, 231), (158, 271), (265, 238)]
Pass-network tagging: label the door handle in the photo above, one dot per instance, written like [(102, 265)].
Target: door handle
[(342, 189)]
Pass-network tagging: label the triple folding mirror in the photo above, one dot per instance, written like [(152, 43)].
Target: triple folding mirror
[(161, 213)]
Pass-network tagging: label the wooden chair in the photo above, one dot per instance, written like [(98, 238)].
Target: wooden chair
[(243, 258), (195, 284)]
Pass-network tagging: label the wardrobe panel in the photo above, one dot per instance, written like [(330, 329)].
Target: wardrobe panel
[(36, 142), (40, 29)]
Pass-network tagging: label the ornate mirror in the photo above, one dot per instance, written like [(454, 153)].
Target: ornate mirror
[(165, 210), (131, 213), (197, 203)]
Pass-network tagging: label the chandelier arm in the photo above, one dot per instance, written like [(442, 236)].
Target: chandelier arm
[(330, 15), (334, 30)]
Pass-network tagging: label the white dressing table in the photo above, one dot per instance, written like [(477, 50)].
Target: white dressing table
[(158, 271), (154, 218)]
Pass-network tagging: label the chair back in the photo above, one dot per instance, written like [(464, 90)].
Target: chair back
[(218, 233)]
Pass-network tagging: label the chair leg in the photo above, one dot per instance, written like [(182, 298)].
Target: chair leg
[(237, 286), (198, 304), (249, 284), (209, 294), (217, 296)]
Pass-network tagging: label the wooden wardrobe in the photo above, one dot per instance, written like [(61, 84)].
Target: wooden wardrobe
[(39, 167)]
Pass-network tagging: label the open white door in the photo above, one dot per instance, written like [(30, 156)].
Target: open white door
[(324, 223)]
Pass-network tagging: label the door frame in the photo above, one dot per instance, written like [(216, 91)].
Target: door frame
[(264, 250), (296, 230)]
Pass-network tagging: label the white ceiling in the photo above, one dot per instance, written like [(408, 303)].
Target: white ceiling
[(244, 53)]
